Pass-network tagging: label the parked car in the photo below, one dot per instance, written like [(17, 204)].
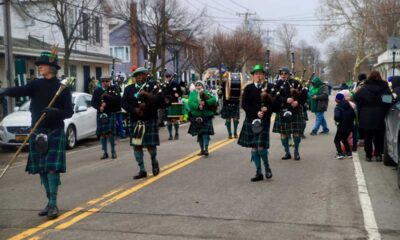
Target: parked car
[(392, 138), (16, 126)]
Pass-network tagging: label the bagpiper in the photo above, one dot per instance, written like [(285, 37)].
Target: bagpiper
[(47, 144), (291, 96), (142, 101), (202, 105), (258, 106), (107, 101)]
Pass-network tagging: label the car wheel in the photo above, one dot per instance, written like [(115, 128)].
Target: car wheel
[(71, 137), (387, 160)]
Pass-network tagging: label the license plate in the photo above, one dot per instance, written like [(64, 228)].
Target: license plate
[(20, 138)]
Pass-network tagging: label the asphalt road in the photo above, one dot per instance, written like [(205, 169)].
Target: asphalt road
[(318, 197)]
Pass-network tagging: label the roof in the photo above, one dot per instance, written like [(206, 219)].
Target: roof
[(33, 47)]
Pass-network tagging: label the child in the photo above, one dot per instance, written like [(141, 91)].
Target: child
[(344, 117)]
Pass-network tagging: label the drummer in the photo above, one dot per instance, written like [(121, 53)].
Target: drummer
[(174, 91), (230, 110)]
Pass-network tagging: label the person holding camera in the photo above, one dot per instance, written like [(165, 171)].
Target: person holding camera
[(202, 105), (259, 106)]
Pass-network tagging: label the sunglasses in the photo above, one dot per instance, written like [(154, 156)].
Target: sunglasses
[(105, 80), (284, 73)]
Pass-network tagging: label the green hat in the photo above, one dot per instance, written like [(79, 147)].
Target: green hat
[(48, 58), (258, 68), (140, 70)]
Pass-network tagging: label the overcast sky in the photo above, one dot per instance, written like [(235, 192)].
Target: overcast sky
[(273, 13)]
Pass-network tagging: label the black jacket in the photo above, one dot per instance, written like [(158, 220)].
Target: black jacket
[(172, 88), (283, 87), (41, 91), (131, 101), (344, 116), (111, 96), (371, 109)]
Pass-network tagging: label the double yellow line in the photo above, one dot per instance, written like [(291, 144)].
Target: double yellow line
[(95, 205)]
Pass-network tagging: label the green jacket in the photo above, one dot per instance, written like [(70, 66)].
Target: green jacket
[(194, 101)]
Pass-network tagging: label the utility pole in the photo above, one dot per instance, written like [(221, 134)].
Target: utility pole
[(9, 60), (246, 19)]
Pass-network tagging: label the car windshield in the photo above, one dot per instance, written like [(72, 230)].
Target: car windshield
[(25, 106)]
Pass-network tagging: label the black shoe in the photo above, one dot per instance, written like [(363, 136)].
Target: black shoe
[(201, 153), (44, 211), (176, 137), (313, 133), (324, 132), (296, 156), (170, 137), (258, 177), (378, 158), (114, 155), (268, 173), (368, 159), (287, 156), (156, 169), (52, 213), (105, 156), (230, 137), (140, 175), (235, 136), (206, 153)]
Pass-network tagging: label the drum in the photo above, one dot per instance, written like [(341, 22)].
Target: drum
[(234, 84), (175, 110)]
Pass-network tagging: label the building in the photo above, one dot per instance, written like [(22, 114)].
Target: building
[(385, 63), (90, 56)]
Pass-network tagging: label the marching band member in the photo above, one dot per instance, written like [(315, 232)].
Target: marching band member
[(107, 101), (259, 106), (175, 92), (141, 100), (290, 119), (202, 105), (47, 144), (230, 111)]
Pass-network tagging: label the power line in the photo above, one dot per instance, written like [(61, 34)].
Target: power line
[(237, 4)]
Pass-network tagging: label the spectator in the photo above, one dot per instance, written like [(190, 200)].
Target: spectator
[(344, 117), (319, 98), (93, 84)]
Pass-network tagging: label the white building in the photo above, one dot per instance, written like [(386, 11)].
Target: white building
[(89, 58), (385, 63)]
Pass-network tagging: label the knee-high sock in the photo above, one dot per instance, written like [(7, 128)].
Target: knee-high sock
[(285, 144), (54, 181), (112, 143), (255, 157), (235, 126), (176, 126), (228, 126), (200, 140), (139, 160), (153, 155), (45, 182), (103, 141), (296, 140), (264, 156), (169, 127), (206, 140)]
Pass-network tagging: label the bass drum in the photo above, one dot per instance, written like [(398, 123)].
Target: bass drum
[(234, 85)]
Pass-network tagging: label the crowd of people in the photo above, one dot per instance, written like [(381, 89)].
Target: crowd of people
[(358, 114)]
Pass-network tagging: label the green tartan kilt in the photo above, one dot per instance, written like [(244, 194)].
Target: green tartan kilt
[(248, 139), (297, 125), (109, 127), (51, 161), (198, 129), (230, 111), (151, 136)]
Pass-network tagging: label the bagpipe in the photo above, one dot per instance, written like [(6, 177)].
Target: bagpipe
[(204, 97), (148, 93)]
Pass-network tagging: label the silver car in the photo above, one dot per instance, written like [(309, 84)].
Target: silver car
[(392, 138)]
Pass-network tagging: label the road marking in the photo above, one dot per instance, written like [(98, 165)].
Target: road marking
[(368, 212), (114, 195)]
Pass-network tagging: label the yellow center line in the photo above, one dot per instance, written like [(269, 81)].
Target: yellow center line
[(168, 170)]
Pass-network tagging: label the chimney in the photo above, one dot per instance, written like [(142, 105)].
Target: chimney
[(134, 37)]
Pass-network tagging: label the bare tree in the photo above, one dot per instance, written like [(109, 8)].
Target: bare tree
[(202, 56), (161, 26), (286, 34), (70, 16)]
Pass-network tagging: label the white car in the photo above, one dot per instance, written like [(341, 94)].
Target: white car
[(16, 126)]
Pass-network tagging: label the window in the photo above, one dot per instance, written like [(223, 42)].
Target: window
[(119, 52), (72, 71), (85, 26), (97, 30), (122, 53)]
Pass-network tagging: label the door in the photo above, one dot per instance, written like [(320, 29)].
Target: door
[(86, 78), (98, 73)]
